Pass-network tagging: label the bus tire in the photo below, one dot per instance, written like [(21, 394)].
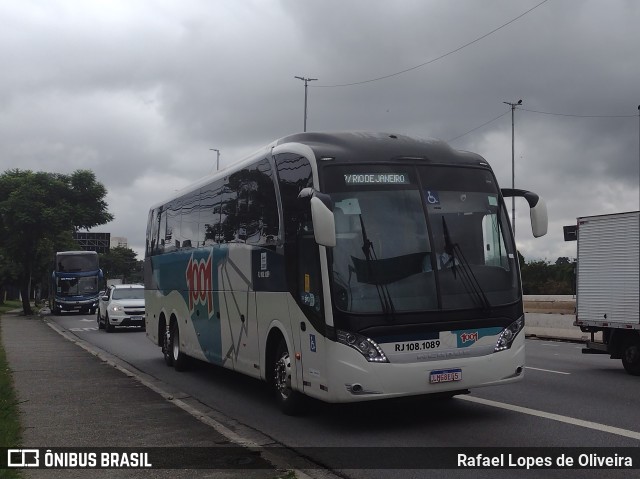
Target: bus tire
[(166, 346), (289, 401), (180, 359), (631, 356)]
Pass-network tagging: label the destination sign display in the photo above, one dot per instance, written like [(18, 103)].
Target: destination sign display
[(377, 179)]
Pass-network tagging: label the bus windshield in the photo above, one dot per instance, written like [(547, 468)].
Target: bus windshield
[(419, 239), (80, 286)]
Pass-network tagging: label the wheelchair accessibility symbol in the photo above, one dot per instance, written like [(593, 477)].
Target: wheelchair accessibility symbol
[(432, 197)]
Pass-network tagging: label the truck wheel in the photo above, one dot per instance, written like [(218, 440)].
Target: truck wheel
[(290, 401), (631, 357)]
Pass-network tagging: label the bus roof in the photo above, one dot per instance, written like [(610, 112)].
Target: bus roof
[(381, 147), (75, 253), (344, 145)]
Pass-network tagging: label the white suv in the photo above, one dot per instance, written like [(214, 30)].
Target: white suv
[(121, 305)]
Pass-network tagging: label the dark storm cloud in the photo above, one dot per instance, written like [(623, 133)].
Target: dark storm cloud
[(140, 91)]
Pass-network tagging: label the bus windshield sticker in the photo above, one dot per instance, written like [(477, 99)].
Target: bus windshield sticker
[(349, 206), (493, 200), (376, 179), (432, 197)]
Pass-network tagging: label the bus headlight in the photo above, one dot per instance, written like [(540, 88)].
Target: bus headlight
[(509, 334), (365, 346)]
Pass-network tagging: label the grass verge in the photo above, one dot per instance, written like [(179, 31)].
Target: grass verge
[(9, 417)]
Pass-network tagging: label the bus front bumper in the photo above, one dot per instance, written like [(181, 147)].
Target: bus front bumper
[(354, 379)]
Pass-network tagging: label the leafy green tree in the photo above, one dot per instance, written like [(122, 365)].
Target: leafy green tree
[(542, 277), (38, 213), (121, 262)]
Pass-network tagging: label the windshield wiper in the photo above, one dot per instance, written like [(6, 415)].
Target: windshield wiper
[(467, 276), (383, 292)]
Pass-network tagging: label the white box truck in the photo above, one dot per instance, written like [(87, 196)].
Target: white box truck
[(607, 285)]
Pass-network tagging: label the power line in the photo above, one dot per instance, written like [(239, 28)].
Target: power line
[(540, 112), (479, 126), (577, 116), (437, 58)]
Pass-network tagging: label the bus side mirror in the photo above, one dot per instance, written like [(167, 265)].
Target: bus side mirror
[(539, 218), (324, 226), (537, 210)]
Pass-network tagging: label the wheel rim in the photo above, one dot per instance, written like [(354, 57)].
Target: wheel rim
[(176, 344), (283, 375)]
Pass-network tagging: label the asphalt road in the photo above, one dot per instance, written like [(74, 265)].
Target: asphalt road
[(567, 399)]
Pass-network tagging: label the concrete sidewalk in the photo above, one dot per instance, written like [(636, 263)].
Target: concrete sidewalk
[(70, 398)]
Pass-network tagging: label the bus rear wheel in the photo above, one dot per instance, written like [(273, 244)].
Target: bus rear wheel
[(180, 360), (290, 401), (166, 346)]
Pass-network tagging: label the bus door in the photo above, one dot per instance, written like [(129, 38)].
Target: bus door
[(312, 327)]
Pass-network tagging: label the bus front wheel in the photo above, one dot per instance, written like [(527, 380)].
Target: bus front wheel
[(289, 400)]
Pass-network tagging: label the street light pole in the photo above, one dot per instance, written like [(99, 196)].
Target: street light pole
[(306, 82), (513, 162), (217, 158)]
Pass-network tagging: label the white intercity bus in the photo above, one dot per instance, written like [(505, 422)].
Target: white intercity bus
[(345, 267)]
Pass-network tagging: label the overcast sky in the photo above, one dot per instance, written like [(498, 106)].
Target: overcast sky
[(139, 91)]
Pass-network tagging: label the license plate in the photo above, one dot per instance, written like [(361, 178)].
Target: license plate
[(445, 375), (136, 318)]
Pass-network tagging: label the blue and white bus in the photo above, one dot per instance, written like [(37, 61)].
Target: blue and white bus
[(345, 267), (75, 282)]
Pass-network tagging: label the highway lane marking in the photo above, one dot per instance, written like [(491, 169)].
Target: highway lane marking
[(555, 417), (546, 370)]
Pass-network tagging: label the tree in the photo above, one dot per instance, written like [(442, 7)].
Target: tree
[(38, 213), (121, 262), (542, 277)]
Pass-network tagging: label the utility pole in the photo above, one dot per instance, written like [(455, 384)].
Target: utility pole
[(306, 82), (513, 162), (217, 158)]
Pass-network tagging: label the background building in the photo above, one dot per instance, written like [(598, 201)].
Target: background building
[(99, 242)]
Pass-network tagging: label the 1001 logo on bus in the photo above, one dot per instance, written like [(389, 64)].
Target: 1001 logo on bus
[(200, 283)]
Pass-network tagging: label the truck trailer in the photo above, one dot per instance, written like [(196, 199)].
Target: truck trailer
[(607, 298)]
